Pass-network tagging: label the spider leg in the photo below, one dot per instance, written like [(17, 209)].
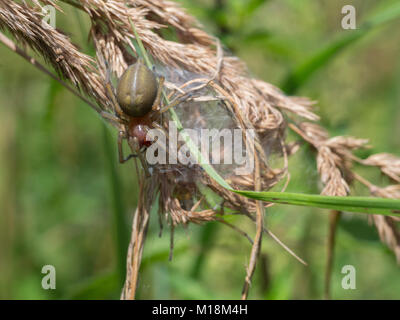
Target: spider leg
[(134, 145), (156, 114), (171, 105), (111, 95), (111, 117), (156, 103), (114, 101), (122, 159), (163, 146), (177, 100), (159, 127)]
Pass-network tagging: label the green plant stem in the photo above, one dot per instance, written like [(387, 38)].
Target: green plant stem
[(121, 235)]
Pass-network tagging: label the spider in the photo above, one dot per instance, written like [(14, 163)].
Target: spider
[(137, 105)]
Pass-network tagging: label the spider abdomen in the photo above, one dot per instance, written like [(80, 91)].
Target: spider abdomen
[(137, 90)]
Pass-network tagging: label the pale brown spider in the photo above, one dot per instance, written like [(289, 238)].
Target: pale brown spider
[(137, 105)]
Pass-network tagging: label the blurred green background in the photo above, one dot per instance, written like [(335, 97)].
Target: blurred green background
[(65, 201)]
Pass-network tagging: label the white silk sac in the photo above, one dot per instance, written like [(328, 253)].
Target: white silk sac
[(200, 129)]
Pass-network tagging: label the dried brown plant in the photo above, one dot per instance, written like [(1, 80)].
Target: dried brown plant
[(252, 103)]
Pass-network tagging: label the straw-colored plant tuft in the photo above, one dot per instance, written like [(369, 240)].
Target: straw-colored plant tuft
[(252, 104)]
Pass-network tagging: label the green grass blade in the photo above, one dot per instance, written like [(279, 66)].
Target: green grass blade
[(247, 8), (352, 204), (368, 205), (161, 255), (197, 154), (208, 235), (121, 233), (104, 286), (192, 147), (187, 288), (301, 74)]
